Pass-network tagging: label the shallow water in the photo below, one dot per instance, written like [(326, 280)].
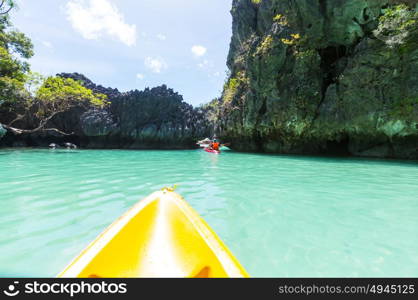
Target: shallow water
[(280, 215)]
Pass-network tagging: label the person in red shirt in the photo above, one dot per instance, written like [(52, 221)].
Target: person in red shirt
[(215, 145)]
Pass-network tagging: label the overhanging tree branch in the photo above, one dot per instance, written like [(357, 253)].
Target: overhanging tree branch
[(18, 131), (56, 95), (18, 118), (41, 127), (3, 6)]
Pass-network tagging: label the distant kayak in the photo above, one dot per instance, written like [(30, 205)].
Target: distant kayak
[(212, 151), (161, 236)]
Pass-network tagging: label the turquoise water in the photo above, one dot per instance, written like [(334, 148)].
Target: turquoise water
[(280, 215)]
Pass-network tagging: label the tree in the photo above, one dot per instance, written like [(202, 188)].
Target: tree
[(14, 45), (6, 6), (28, 96), (56, 95)]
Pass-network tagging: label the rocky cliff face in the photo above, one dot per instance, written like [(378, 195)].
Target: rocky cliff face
[(156, 118), (322, 76), (153, 118), (2, 131)]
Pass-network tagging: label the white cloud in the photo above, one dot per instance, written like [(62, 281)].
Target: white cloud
[(48, 65), (199, 50), (47, 44), (161, 37), (140, 76), (96, 18), (156, 65), (216, 74), (204, 64)]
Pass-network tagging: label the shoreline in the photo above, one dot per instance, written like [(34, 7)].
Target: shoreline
[(293, 155)]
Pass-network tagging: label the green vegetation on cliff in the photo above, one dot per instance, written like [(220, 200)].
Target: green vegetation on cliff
[(322, 77), (55, 95), (397, 25), (64, 93), (26, 95), (71, 108), (15, 47)]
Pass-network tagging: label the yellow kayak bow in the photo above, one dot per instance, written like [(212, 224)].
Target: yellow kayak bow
[(160, 236)]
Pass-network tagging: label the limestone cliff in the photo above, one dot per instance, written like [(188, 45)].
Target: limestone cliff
[(322, 76), (156, 118)]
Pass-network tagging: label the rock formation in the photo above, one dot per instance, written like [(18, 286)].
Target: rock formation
[(323, 76), (156, 118)]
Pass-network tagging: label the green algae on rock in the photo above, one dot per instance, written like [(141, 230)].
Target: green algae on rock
[(335, 77)]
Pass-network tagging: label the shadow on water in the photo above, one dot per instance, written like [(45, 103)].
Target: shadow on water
[(330, 213), (62, 152), (8, 151), (342, 159)]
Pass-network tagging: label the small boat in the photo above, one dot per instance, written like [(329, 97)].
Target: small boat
[(160, 236), (212, 151), (204, 143)]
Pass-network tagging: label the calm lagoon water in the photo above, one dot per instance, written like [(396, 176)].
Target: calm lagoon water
[(280, 215)]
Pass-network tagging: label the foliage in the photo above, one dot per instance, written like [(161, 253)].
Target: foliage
[(280, 19), (212, 110), (294, 38), (58, 94), (396, 25), (305, 53), (13, 71), (265, 46), (28, 94), (33, 82), (409, 2), (6, 6), (219, 107), (230, 90), (256, 1), (48, 97), (232, 86), (404, 108)]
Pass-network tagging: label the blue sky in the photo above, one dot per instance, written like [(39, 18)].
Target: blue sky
[(130, 44)]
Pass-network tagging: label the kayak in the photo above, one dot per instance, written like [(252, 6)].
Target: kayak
[(212, 151), (160, 236)]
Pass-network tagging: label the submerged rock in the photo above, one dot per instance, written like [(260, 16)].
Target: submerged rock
[(70, 146), (335, 77)]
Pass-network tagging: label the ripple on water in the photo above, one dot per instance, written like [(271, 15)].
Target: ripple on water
[(280, 215)]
